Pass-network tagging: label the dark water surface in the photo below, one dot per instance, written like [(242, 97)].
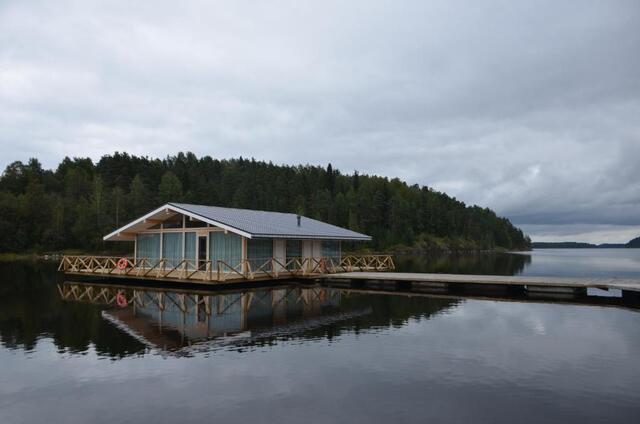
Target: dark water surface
[(307, 354)]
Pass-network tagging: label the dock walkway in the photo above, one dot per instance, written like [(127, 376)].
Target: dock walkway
[(529, 282)]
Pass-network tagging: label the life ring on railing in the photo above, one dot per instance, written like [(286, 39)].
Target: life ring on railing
[(121, 300), (122, 264)]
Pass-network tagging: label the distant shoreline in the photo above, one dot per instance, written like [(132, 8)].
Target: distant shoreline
[(579, 245), (586, 248)]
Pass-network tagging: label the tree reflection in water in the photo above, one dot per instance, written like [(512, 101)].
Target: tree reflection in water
[(464, 263), (34, 303)]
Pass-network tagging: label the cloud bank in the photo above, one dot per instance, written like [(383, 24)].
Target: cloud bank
[(529, 109)]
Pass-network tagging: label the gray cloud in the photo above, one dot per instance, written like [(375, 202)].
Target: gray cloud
[(530, 109)]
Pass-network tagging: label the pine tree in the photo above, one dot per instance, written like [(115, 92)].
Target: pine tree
[(138, 198), (170, 188)]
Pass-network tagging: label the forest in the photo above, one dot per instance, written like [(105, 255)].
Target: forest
[(73, 206)]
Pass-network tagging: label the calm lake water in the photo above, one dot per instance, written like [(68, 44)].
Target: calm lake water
[(312, 354)]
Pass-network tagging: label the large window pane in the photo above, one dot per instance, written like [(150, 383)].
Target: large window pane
[(294, 250), (173, 222), (331, 249), (172, 248), (190, 248), (194, 223), (226, 248), (259, 251), (148, 247)]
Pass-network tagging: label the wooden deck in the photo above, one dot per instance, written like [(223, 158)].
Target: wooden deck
[(218, 271), (530, 283)]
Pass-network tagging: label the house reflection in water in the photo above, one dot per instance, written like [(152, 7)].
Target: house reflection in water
[(181, 320)]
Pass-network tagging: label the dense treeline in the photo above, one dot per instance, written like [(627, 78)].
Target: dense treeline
[(72, 206)]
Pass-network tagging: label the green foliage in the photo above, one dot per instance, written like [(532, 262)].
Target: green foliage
[(75, 205), (170, 189)]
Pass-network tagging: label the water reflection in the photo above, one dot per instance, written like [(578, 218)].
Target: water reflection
[(123, 320), (464, 263), (182, 322), (188, 320), (314, 354), (607, 263), (79, 316)]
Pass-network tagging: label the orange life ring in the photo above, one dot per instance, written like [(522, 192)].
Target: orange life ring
[(122, 264), (121, 300)]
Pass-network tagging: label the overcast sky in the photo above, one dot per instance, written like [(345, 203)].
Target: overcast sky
[(529, 108)]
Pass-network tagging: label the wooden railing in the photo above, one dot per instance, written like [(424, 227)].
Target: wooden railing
[(367, 263), (219, 270)]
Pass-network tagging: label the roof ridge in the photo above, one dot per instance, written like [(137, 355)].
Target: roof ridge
[(235, 209)]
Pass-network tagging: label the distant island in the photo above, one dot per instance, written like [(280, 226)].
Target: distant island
[(635, 243)]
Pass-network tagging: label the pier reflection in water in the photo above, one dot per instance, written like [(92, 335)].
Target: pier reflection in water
[(183, 322), (187, 320)]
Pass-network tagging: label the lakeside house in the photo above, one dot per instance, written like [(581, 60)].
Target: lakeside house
[(197, 243), (195, 235)]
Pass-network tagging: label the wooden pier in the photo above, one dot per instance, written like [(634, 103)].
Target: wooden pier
[(363, 270), (532, 284)]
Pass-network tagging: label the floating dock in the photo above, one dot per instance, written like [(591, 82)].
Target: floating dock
[(455, 282), (542, 282), (374, 271)]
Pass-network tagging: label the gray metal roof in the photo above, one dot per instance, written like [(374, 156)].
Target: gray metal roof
[(263, 224)]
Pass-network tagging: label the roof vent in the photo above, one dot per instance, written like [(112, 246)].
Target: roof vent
[(299, 218)]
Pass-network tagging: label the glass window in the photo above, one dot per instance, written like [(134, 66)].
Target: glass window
[(148, 247), (259, 251), (194, 223), (226, 248), (294, 250), (173, 222), (331, 249), (190, 248), (172, 248)]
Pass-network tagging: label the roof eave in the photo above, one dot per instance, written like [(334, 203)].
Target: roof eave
[(178, 209), (312, 237)]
